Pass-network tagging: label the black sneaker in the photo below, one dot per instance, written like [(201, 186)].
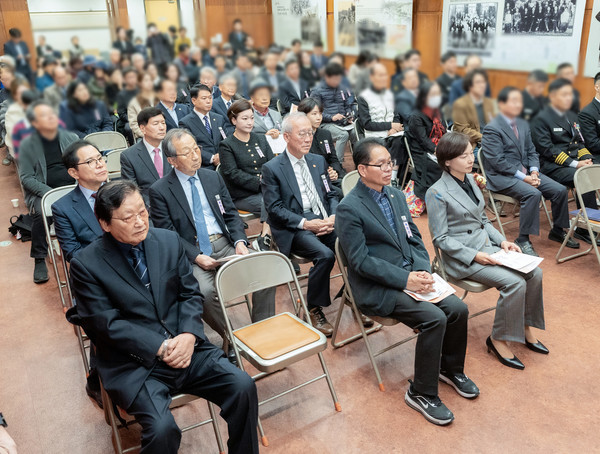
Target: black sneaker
[(431, 407), (463, 385), (40, 272), (263, 243)]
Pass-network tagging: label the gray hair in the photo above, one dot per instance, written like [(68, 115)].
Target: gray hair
[(290, 121), (225, 77), (136, 56), (174, 134), (208, 69), (30, 111)]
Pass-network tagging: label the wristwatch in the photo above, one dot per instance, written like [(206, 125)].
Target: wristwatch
[(3, 421)]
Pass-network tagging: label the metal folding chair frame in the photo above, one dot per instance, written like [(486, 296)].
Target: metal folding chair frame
[(410, 166), (113, 163), (106, 141)]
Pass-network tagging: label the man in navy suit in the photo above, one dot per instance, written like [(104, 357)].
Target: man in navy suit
[(386, 255), (139, 303), (293, 89), (301, 202), (317, 58), (208, 128), (145, 162), (166, 92), (74, 220), (18, 49), (174, 208)]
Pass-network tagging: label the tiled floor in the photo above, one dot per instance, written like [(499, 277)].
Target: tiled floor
[(551, 406)]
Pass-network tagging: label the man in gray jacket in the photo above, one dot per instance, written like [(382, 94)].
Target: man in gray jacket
[(41, 169)]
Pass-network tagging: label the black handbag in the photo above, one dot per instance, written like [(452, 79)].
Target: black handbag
[(20, 227)]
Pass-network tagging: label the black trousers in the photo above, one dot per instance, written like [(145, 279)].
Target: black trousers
[(320, 250), (253, 204), (442, 341), (39, 244), (210, 376)]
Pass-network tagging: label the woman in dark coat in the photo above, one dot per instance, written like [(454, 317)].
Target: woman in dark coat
[(81, 113)]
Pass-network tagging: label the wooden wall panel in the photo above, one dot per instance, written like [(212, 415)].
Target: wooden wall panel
[(15, 13)]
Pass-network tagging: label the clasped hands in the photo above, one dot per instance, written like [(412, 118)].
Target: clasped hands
[(320, 227), (533, 179), (179, 350), (420, 282)]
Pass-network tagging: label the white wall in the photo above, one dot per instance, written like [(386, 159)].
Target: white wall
[(186, 13), (137, 18)]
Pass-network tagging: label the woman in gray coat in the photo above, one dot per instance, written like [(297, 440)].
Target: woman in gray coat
[(466, 239)]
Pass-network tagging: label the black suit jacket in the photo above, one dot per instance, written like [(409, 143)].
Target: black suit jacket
[(171, 210), (136, 165), (589, 121), (126, 49), (283, 200), (556, 138), (504, 153), (319, 147), (126, 322), (288, 95), (180, 109), (75, 223), (220, 108), (208, 142), (375, 252), (532, 106)]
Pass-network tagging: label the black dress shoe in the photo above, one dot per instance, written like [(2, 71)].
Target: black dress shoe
[(560, 237), (231, 357), (513, 362), (583, 235), (94, 394), (40, 272), (526, 248), (538, 347)]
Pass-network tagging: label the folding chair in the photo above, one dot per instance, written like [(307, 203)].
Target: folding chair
[(349, 181), (177, 401), (410, 166), (279, 108), (467, 285), (106, 141), (53, 248), (113, 164), (586, 179), (276, 342), (497, 197)]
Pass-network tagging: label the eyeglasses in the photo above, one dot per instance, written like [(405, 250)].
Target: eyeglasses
[(142, 215), (94, 163), (303, 134), (187, 155), (386, 166)]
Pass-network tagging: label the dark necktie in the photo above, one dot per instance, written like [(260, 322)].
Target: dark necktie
[(228, 104), (513, 125), (207, 124), (139, 266)]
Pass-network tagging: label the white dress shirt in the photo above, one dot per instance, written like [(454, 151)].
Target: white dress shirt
[(87, 193)]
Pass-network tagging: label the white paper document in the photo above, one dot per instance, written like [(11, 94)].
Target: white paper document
[(349, 127), (397, 134), (277, 145), (441, 289), (517, 260)]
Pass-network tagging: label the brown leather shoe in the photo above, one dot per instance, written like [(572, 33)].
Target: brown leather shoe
[(366, 321), (318, 320)]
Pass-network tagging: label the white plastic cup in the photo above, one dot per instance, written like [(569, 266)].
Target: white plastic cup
[(15, 203)]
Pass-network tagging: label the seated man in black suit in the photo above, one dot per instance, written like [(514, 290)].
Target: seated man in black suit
[(386, 255), (228, 95), (558, 139), (589, 120), (301, 203), (208, 128), (207, 221), (533, 94), (139, 303), (293, 89), (512, 167), (145, 162), (74, 220), (166, 91)]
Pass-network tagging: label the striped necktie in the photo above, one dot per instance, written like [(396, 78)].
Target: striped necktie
[(311, 191), (139, 266)]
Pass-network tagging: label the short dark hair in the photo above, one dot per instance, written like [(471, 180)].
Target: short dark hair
[(158, 87), (364, 57), (470, 77), (291, 62), (29, 96), (196, 89), (308, 104), (537, 75), (110, 197), (562, 66), (69, 157), (505, 93), (237, 21), (183, 47), (30, 112), (596, 78), (240, 55), (362, 149), (151, 24), (409, 53), (296, 41), (318, 43), (447, 56), (129, 69), (146, 114), (451, 145), (14, 33), (237, 108), (424, 90), (557, 84), (334, 69)]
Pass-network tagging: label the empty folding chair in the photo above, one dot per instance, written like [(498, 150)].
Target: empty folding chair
[(113, 164), (106, 141)]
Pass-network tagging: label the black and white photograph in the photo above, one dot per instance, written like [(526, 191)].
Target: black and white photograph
[(347, 23), (310, 29), (371, 36), (299, 7), (472, 27), (539, 17)]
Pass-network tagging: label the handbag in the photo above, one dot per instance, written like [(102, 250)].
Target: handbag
[(20, 227), (415, 204)]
